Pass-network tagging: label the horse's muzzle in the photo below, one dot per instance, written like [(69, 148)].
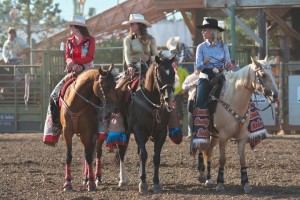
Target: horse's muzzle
[(272, 96)]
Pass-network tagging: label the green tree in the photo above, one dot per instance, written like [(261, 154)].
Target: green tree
[(34, 16)]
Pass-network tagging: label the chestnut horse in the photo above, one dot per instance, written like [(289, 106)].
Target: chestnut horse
[(87, 98), (231, 117), (147, 114)]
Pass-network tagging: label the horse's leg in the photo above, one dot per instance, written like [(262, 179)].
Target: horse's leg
[(143, 155), (68, 177), (201, 167), (98, 173), (244, 176), (222, 161), (121, 153), (88, 143), (208, 152), (156, 159)]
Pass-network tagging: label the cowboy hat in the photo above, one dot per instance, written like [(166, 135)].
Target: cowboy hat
[(12, 30), (210, 23), (136, 18), (172, 43), (76, 21)]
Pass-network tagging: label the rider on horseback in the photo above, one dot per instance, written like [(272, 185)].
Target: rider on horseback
[(139, 51), (80, 50), (212, 56)]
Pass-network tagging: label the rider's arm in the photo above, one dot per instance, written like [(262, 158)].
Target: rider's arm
[(5, 52), (127, 50), (199, 57), (153, 49)]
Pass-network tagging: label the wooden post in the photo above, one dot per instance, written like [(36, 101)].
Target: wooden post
[(262, 33)]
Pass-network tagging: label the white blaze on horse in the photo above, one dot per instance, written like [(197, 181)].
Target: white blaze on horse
[(231, 116)]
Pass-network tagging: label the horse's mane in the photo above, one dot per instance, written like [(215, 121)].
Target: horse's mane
[(236, 79), (150, 76), (86, 76)]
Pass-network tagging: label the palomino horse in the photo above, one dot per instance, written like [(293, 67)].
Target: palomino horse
[(147, 115), (84, 100), (231, 116)]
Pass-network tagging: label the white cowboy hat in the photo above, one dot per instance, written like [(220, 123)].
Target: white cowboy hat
[(172, 43), (136, 18), (77, 21)]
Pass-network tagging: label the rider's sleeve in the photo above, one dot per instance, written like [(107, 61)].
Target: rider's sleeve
[(227, 54), (5, 52), (127, 50), (199, 58), (153, 49)]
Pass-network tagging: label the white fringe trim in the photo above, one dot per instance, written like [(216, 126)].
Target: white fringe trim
[(200, 143), (257, 134)]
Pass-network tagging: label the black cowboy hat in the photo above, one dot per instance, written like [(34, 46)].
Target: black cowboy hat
[(210, 23)]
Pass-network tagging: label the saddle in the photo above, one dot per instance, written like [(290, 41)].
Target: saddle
[(64, 89)]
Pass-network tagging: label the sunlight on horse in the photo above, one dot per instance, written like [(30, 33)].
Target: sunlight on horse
[(236, 93), (87, 97)]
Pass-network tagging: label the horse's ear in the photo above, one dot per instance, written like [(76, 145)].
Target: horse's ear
[(111, 67), (157, 59), (173, 58), (160, 53), (101, 70), (255, 63), (266, 58)]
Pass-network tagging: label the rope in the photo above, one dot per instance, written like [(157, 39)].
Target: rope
[(27, 90)]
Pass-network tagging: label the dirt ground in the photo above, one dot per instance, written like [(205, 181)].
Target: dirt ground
[(31, 170)]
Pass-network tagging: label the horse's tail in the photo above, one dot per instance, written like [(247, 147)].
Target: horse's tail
[(121, 151)]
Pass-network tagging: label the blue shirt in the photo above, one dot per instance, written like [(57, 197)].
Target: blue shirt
[(219, 51)]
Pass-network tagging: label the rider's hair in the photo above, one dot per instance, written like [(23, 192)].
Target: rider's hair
[(83, 30), (216, 36)]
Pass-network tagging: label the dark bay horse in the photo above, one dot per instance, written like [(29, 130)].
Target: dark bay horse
[(147, 115), (87, 98), (231, 117)]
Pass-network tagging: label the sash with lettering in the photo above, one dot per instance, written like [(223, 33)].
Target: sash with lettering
[(201, 135), (256, 127)]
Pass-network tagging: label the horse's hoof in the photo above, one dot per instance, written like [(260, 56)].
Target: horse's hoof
[(208, 183), (247, 188), (98, 181), (157, 189), (84, 182), (91, 186), (143, 188), (68, 187), (220, 187), (201, 177), (122, 183)]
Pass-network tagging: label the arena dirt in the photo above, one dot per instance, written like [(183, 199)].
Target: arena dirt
[(31, 170)]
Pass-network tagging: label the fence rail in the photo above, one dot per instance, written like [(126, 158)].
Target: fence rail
[(24, 100)]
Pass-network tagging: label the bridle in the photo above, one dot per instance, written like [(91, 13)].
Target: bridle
[(102, 97), (259, 73), (160, 91)]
